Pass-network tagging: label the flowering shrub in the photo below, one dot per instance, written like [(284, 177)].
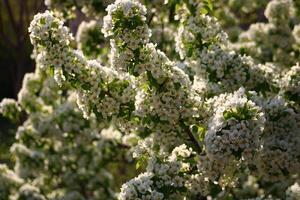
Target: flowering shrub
[(214, 119)]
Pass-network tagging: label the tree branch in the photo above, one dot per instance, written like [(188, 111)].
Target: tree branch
[(11, 15), (2, 33)]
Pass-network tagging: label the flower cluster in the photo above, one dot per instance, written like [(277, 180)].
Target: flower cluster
[(218, 71), (45, 26), (279, 11), (10, 109), (235, 127), (215, 68), (58, 154), (28, 192), (125, 20), (165, 177), (279, 157), (296, 33), (197, 33), (200, 119), (8, 182), (92, 79), (290, 84), (293, 192)]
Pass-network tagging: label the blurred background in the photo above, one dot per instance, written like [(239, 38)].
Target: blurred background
[(15, 60), (15, 57), (15, 47)]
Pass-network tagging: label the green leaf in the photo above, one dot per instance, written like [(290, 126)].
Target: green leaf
[(51, 70), (201, 133), (126, 109), (98, 114), (240, 113), (144, 132), (209, 4), (203, 11), (54, 25), (214, 189), (145, 87), (153, 82), (198, 132), (177, 86), (207, 7), (141, 162), (194, 128), (43, 21), (86, 86)]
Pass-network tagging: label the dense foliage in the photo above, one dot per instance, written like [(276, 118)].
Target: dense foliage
[(155, 100)]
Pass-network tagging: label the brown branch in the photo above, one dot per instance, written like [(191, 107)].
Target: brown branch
[(2, 33), (194, 141), (76, 5), (36, 5), (41, 6), (21, 23), (150, 18), (26, 14), (11, 15)]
